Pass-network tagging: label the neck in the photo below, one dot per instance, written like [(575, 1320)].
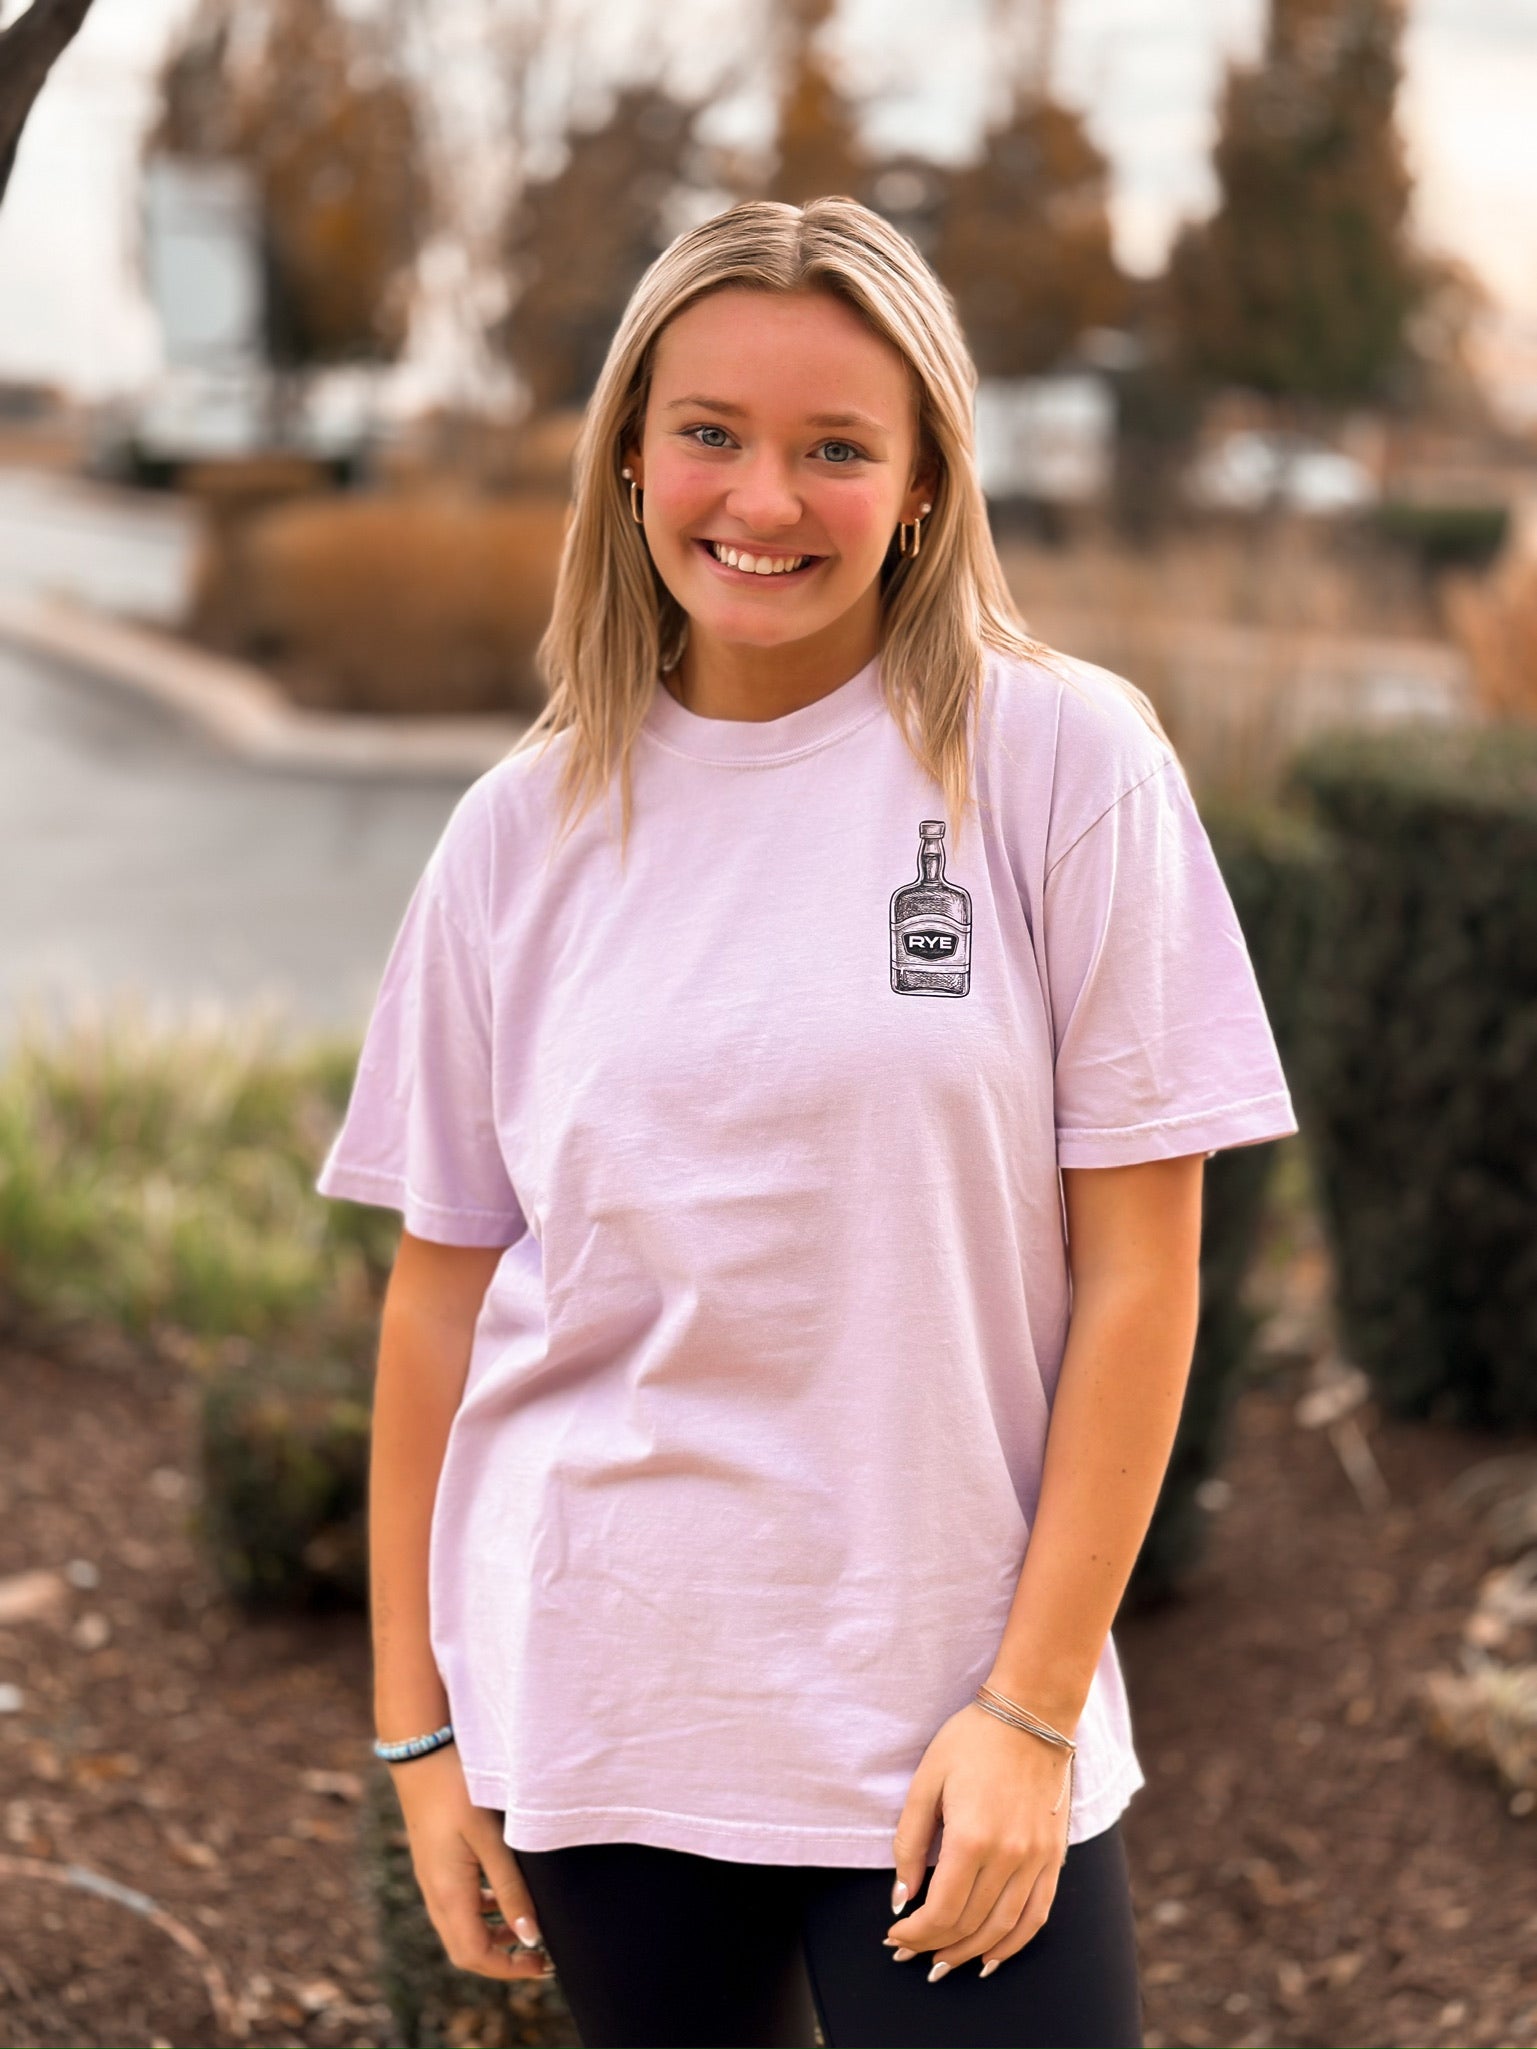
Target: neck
[(719, 679)]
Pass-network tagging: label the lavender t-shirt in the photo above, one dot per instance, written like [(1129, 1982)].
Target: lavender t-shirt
[(769, 1123)]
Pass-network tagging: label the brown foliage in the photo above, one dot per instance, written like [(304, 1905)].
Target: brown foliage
[(818, 150), (307, 97), (578, 241), (420, 604), (1025, 241)]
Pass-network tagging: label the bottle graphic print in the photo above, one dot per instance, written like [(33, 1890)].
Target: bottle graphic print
[(931, 925)]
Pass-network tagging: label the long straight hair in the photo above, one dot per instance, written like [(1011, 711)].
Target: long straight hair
[(615, 628)]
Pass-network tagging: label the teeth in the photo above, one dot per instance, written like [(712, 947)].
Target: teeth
[(755, 565)]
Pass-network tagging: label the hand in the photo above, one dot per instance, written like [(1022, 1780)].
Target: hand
[(993, 1786), (466, 1871)]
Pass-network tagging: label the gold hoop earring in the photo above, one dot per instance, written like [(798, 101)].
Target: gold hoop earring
[(635, 511), (915, 527)]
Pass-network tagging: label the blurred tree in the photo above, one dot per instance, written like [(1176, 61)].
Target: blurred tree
[(29, 48), (577, 241), (1303, 282), (1024, 240), (310, 99), (818, 148)]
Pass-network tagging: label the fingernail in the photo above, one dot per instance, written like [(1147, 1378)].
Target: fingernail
[(528, 1931), (898, 1897), (937, 1973), (900, 1956), (991, 1965)]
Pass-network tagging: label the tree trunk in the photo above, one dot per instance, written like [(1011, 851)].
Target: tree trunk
[(28, 49)]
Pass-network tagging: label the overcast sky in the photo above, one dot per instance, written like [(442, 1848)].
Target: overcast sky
[(1146, 72)]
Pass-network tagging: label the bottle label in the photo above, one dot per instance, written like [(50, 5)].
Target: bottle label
[(927, 943)]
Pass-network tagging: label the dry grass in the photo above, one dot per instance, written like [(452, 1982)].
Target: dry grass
[(1246, 637), (431, 599), (1282, 574), (412, 603), (1495, 621)]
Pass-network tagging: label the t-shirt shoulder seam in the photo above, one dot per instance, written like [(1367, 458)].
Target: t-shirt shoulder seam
[(1159, 768), (436, 882)]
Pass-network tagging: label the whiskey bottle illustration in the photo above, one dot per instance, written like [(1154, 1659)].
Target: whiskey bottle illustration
[(931, 925)]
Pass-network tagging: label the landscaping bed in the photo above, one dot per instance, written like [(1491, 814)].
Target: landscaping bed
[(1309, 1865)]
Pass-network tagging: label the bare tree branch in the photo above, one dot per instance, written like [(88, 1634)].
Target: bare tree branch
[(28, 50)]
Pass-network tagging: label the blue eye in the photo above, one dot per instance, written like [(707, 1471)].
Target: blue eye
[(852, 450), (710, 430)]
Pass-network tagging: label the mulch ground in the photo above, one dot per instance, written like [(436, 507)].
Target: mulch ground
[(1309, 1866)]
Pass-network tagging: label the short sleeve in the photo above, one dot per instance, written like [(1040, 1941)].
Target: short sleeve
[(420, 1131), (1162, 1044)]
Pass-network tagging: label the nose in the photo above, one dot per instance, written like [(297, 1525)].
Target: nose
[(762, 497)]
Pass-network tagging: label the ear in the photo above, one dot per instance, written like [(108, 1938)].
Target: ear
[(631, 459), (923, 489)]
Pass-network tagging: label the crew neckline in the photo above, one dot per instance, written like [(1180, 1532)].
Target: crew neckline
[(760, 740)]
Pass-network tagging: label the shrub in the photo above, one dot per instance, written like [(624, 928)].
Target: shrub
[(1444, 536), (161, 1173), (1270, 862), (1418, 1044), (283, 1513), (431, 2001), (409, 603)]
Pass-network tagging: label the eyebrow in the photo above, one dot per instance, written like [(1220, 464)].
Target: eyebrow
[(720, 405)]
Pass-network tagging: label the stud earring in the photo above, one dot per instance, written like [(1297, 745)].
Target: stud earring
[(635, 511)]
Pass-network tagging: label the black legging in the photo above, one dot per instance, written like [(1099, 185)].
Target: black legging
[(666, 1947)]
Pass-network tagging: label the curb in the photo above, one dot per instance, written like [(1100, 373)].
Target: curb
[(242, 709)]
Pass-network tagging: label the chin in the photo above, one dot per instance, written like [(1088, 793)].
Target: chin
[(734, 628), (759, 622)]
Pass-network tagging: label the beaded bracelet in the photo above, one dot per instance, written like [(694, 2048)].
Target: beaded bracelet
[(414, 1746)]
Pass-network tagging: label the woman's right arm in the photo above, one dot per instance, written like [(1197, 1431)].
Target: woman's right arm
[(428, 1325)]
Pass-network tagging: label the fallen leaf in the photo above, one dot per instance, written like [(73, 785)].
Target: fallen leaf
[(104, 1766), (340, 1785), (319, 1993), (202, 1856), (27, 1595), (320, 1828)]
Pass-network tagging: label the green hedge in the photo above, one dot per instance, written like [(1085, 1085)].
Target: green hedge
[(160, 1176), (1444, 536), (1418, 1042), (283, 1514), (1270, 861)]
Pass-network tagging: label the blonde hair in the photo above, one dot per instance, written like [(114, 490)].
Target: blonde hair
[(615, 627)]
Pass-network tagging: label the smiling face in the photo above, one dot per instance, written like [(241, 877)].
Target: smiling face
[(778, 453)]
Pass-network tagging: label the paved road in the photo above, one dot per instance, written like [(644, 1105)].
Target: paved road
[(135, 856)]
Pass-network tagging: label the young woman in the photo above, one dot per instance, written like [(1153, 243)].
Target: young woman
[(801, 1192)]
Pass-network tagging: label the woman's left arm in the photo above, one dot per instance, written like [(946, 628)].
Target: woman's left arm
[(1134, 1239)]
